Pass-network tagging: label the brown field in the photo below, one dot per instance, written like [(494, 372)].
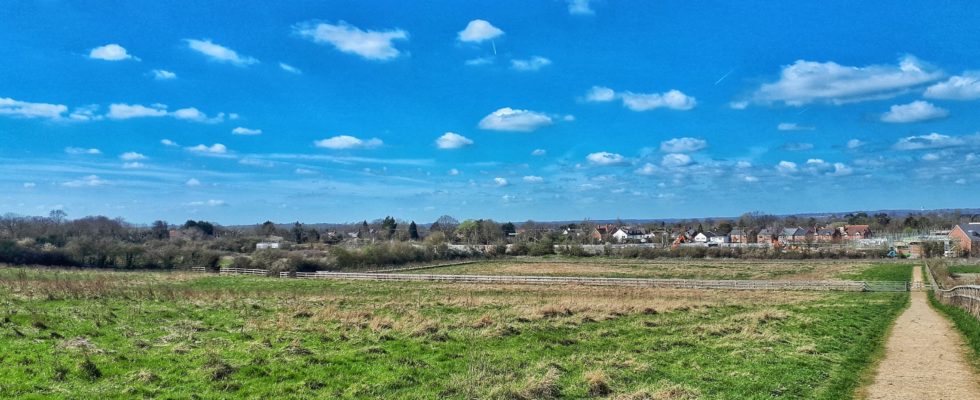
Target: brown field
[(664, 269)]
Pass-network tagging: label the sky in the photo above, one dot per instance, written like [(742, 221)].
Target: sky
[(341, 111)]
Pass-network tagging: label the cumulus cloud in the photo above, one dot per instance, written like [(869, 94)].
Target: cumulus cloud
[(501, 182), (532, 64), (111, 52), (289, 68), (675, 160), (219, 53), (85, 113), (792, 126), (805, 82), (23, 109), (646, 169), (87, 181), (605, 158), (913, 112), (840, 169), (80, 151), (193, 182), (127, 111), (193, 114), (451, 140), (515, 120), (683, 145), (854, 143), (216, 148), (168, 142), (533, 179), (479, 30), (371, 45), (580, 7), (930, 141), (163, 75), (786, 167), (672, 99), (961, 87), (539, 152), (246, 131), (343, 142), (131, 156)]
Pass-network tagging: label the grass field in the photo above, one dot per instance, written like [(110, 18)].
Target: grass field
[(684, 269), (125, 335)]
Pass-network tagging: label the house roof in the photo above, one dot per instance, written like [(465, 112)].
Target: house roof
[(766, 231), (852, 230), (792, 232), (972, 230), (826, 231)]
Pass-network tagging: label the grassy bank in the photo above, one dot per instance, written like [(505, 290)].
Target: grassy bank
[(114, 335), (965, 323)]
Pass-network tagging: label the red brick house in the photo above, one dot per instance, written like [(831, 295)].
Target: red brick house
[(967, 236), (744, 236), (856, 232)]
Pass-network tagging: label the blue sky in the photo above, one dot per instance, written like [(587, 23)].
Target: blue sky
[(513, 110)]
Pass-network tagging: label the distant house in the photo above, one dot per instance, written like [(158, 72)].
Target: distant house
[(599, 233), (856, 232), (967, 236), (766, 236), (792, 235), (743, 235), (620, 235), (626, 233), (267, 245), (704, 237), (828, 235)]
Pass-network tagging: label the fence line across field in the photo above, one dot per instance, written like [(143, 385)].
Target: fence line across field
[(966, 297), (851, 286)]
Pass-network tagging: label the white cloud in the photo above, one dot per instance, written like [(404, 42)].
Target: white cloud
[(579, 7), (501, 182), (131, 156), (193, 114), (743, 164), (85, 113), (451, 140), (133, 165), (786, 167), (453, 172), (840, 169), (478, 30), (532, 64), (797, 146), (738, 105), (216, 148), (913, 112), (219, 53), (960, 181), (23, 109), (683, 145), (962, 87), (127, 111), (539, 152), (854, 143), (600, 94), (533, 179), (246, 131), (289, 68), (816, 162), (672, 99), (509, 119), (674, 160), (79, 151), (792, 126), (342, 142), (930, 141), (806, 82), (605, 158), (168, 143), (29, 185), (111, 52), (473, 62), (192, 182), (372, 45), (208, 203), (750, 178), (646, 169), (88, 181), (931, 157), (163, 75)]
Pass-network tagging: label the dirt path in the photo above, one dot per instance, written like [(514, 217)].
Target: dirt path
[(924, 357)]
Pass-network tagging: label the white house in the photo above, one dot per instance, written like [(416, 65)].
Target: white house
[(266, 245), (710, 237), (620, 235)]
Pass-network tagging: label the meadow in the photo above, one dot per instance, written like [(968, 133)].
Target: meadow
[(71, 334), (683, 269)]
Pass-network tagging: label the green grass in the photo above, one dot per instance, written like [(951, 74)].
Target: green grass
[(191, 336), (964, 269), (965, 323), (883, 272)]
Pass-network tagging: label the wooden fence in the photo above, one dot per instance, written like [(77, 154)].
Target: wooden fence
[(243, 271), (966, 297), (850, 286)]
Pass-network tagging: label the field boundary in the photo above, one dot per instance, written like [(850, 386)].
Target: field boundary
[(849, 286), (966, 297)]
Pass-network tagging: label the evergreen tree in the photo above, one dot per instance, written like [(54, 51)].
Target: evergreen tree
[(413, 231)]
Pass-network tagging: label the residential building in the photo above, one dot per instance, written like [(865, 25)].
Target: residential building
[(967, 237)]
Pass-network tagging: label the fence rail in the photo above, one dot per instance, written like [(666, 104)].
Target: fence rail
[(966, 297), (850, 286), (243, 271)]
